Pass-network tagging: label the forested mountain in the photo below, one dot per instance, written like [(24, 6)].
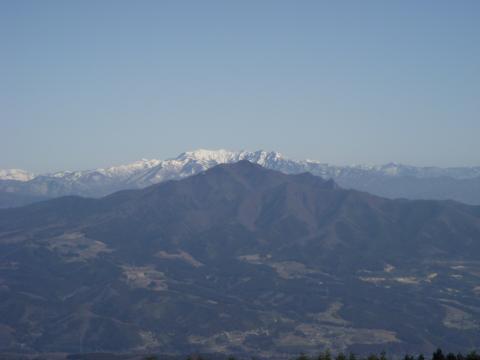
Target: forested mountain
[(244, 260)]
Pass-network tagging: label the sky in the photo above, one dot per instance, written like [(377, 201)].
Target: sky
[(94, 83)]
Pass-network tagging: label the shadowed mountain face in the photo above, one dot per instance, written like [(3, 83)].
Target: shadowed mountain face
[(240, 259)]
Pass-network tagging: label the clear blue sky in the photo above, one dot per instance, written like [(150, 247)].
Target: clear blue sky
[(93, 83)]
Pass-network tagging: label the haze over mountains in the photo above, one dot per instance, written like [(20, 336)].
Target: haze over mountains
[(240, 259), (18, 187)]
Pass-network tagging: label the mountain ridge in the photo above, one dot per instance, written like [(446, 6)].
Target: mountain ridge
[(390, 180), (226, 156)]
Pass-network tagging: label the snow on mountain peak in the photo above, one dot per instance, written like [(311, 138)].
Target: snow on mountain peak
[(146, 172), (15, 174), (204, 155), (129, 169)]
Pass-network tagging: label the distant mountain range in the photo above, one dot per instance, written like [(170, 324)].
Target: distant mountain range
[(240, 259), (18, 187)]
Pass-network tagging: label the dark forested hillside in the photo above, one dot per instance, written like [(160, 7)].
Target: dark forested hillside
[(240, 260)]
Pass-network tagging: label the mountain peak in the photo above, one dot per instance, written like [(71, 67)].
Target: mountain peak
[(16, 174), (453, 183), (241, 165), (220, 155)]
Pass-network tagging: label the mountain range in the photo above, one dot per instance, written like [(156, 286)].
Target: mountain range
[(18, 187), (244, 260)]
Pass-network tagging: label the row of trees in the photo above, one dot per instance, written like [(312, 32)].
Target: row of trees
[(326, 355), (437, 355)]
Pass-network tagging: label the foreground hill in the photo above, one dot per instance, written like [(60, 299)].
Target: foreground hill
[(18, 187), (236, 259)]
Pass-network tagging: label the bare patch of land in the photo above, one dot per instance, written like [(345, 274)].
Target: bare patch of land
[(145, 277)]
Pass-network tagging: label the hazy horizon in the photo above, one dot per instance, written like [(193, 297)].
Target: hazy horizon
[(93, 84)]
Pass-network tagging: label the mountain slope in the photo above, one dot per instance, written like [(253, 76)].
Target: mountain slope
[(390, 180), (240, 259)]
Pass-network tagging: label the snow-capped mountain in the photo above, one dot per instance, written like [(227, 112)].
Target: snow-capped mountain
[(389, 180), (15, 174), (193, 162), (120, 172)]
